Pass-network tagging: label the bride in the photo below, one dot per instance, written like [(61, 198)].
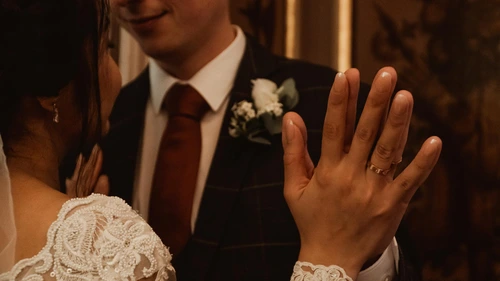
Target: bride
[(58, 85)]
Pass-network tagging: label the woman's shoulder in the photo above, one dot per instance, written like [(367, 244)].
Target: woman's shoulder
[(100, 236)]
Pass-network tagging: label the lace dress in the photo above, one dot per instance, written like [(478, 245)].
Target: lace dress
[(97, 238)]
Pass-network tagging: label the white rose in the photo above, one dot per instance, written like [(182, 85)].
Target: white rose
[(264, 93)]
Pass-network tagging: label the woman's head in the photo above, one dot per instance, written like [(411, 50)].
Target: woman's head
[(53, 55)]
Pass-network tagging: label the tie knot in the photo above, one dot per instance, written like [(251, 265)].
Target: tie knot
[(184, 100)]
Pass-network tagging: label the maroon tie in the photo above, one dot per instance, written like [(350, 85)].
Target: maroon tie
[(177, 167)]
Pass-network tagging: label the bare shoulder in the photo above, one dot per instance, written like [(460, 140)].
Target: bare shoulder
[(36, 207)]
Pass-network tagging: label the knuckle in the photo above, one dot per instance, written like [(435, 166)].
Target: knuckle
[(397, 120), (365, 134), (377, 100), (331, 131), (289, 159), (420, 166), (384, 151), (336, 98), (406, 184), (323, 176)]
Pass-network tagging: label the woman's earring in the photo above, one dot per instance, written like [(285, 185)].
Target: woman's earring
[(56, 113)]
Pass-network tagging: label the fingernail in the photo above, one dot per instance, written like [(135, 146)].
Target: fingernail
[(339, 83), (431, 149), (289, 131), (384, 82), (400, 104), (95, 149)]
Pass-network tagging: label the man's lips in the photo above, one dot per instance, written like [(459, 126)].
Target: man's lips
[(145, 19)]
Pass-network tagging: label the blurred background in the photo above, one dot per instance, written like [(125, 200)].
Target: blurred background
[(447, 53)]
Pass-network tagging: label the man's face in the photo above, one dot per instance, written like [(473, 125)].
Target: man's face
[(167, 27)]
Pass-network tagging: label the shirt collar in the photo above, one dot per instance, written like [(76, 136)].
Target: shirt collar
[(213, 81)]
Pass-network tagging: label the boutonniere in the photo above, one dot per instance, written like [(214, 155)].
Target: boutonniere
[(260, 119)]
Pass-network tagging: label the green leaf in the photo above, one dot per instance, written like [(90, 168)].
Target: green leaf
[(272, 123), (288, 94), (255, 137)]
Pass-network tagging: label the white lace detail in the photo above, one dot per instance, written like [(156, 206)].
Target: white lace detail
[(97, 238), (303, 271)]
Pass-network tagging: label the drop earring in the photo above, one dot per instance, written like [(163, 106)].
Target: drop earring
[(55, 119)]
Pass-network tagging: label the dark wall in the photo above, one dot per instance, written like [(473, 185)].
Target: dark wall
[(447, 52)]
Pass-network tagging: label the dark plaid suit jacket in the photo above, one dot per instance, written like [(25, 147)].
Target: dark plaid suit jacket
[(244, 229)]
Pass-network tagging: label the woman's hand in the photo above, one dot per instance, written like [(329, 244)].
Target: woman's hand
[(349, 207), (87, 178)]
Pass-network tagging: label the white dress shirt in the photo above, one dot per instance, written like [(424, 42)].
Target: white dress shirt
[(214, 82)]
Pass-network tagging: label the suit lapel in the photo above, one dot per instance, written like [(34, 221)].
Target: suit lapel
[(230, 164)]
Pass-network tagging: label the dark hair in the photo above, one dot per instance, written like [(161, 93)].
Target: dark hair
[(44, 46)]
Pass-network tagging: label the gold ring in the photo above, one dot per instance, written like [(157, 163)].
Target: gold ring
[(397, 162), (377, 170)]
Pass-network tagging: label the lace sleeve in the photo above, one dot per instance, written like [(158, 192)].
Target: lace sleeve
[(303, 271), (106, 235)]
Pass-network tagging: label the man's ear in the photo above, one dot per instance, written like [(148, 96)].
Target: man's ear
[(48, 103)]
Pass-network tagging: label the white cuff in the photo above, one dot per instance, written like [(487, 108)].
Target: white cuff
[(385, 268)]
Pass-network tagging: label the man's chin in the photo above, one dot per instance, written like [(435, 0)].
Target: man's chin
[(157, 50)]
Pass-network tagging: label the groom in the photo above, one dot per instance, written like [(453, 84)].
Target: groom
[(221, 193)]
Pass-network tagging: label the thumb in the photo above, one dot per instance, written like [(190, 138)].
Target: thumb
[(295, 156)]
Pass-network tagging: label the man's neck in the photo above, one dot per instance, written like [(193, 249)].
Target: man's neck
[(186, 63)]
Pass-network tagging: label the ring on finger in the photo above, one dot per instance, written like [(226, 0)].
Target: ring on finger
[(395, 163), (378, 170)]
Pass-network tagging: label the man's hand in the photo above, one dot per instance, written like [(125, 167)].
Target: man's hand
[(87, 178), (348, 208)]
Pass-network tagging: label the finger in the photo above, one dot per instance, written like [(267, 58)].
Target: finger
[(85, 181), (384, 119), (402, 143), (335, 121), (102, 185), (295, 154), (303, 131), (419, 169), (73, 184), (353, 80), (78, 166), (373, 112), (97, 166), (91, 177), (387, 146)]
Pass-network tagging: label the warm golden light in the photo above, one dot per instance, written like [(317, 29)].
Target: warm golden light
[(344, 40), (292, 38)]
